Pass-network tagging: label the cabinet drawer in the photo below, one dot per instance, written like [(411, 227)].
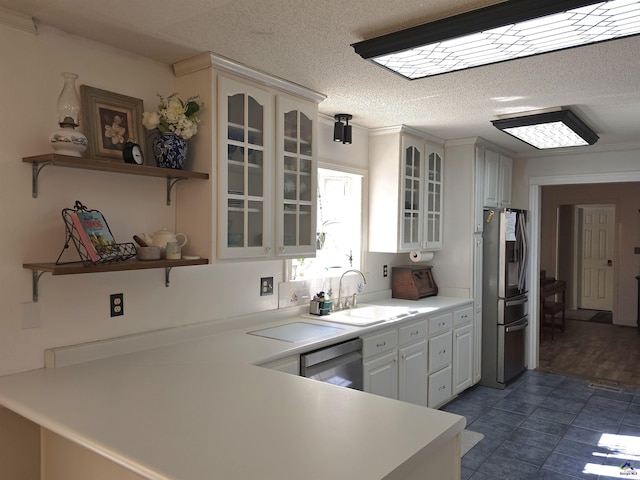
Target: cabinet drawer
[(462, 316), (440, 323), (439, 388), (413, 332), (440, 351), (379, 343)]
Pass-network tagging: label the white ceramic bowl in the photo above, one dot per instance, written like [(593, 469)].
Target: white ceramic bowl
[(148, 253)]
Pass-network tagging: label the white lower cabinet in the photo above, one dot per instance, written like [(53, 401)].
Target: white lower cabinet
[(425, 362), (381, 375), (462, 358), (412, 382), (440, 387), (440, 356)]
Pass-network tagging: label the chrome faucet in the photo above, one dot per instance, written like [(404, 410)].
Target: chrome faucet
[(340, 287)]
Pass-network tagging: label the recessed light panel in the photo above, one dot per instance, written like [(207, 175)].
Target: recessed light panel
[(459, 47)]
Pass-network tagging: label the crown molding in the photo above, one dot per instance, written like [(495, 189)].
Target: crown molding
[(479, 141), (211, 60), (408, 130), (17, 20)]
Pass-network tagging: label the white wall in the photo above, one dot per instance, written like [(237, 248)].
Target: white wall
[(75, 308)]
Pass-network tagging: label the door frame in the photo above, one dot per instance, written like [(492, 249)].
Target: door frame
[(535, 187)]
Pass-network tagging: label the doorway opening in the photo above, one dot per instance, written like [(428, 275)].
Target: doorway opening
[(585, 236)]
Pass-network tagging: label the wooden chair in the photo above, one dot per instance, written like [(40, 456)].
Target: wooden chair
[(552, 288)]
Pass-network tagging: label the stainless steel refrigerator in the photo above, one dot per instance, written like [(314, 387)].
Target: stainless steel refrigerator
[(504, 298)]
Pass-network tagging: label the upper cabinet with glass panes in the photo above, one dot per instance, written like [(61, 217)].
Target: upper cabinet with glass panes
[(244, 170), (296, 177), (262, 202), (405, 193), (253, 160)]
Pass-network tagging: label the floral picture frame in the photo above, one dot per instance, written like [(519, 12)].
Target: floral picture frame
[(109, 120)]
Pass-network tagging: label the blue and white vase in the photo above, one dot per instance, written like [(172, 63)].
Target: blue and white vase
[(170, 150)]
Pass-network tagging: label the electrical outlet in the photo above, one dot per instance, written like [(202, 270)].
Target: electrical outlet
[(117, 304), (266, 286), (385, 271)]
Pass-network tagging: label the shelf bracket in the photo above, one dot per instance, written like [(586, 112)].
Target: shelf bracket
[(171, 182), (35, 280), (35, 171), (167, 272)]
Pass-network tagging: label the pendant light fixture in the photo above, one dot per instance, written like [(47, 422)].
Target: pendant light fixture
[(548, 129), (497, 33), (342, 131)]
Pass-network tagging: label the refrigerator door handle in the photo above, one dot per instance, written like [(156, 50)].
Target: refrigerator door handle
[(511, 303), (515, 328)]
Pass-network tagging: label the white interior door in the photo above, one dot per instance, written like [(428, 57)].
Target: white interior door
[(597, 226)]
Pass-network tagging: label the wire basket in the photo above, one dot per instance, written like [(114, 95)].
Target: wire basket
[(93, 249)]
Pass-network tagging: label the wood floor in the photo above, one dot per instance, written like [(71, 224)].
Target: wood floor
[(595, 351)]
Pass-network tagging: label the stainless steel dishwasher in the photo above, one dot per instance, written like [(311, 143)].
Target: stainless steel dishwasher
[(339, 364)]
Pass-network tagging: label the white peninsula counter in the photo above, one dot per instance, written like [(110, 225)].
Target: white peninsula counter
[(193, 411)]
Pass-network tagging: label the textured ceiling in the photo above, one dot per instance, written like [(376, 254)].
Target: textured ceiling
[(309, 43)]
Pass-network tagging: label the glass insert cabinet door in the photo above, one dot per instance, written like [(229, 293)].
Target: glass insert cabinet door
[(244, 170), (433, 210), (296, 174), (412, 194)]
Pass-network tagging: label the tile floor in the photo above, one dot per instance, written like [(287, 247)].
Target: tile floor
[(550, 427)]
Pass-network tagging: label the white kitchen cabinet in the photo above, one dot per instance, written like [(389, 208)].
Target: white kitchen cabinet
[(478, 185), (432, 229), (258, 134), (462, 358), (477, 305), (412, 369), (395, 363), (463, 348), (498, 170), (440, 387), (246, 173), (296, 177), (505, 180), (380, 363), (440, 352), (245, 170), (381, 375), (405, 192), (413, 363)]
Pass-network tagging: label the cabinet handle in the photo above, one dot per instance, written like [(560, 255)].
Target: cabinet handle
[(442, 387), (404, 356), (268, 249), (414, 333), (442, 351), (381, 344)]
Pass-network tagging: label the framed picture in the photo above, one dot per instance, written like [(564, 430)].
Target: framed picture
[(109, 120)]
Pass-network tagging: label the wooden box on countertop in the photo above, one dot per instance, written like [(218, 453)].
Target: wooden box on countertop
[(413, 282)]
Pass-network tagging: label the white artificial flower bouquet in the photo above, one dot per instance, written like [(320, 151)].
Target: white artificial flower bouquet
[(174, 116)]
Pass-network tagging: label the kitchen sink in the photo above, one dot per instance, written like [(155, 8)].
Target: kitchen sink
[(366, 315)]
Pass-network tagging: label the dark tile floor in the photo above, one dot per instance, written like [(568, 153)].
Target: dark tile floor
[(551, 427)]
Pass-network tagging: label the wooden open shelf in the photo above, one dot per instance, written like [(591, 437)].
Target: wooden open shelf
[(132, 264), (112, 166), (73, 268)]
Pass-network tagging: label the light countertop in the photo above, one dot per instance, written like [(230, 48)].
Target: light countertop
[(201, 408)]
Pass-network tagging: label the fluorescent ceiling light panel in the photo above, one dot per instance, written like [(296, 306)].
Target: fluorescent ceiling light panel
[(505, 31), (549, 130)]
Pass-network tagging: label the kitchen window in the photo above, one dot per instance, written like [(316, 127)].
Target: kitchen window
[(339, 227)]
